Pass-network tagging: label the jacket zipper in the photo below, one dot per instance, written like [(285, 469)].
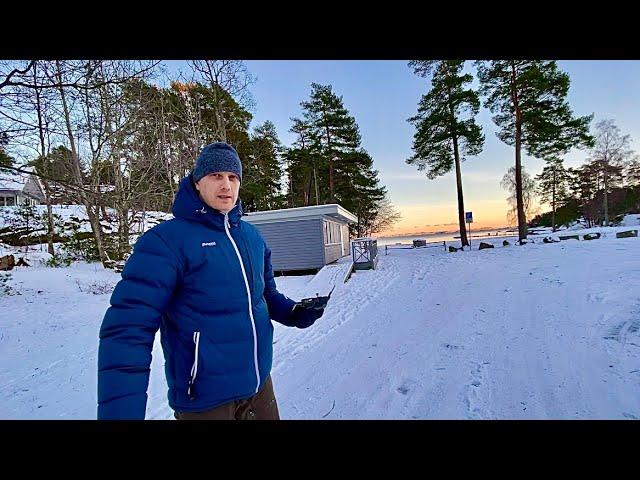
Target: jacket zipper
[(194, 368), (246, 284)]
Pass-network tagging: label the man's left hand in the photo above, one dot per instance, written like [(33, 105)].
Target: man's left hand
[(304, 316)]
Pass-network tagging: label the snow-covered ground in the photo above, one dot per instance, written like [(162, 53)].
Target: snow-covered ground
[(541, 331)]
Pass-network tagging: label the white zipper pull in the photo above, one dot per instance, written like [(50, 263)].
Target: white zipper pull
[(226, 220), (194, 368)]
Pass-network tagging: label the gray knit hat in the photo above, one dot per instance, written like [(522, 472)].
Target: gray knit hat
[(217, 157)]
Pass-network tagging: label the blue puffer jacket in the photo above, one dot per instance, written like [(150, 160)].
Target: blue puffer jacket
[(209, 287)]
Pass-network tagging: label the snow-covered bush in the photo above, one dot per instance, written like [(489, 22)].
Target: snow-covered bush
[(5, 287), (96, 287), (58, 260)]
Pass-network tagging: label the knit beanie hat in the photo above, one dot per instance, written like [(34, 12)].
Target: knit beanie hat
[(217, 157)]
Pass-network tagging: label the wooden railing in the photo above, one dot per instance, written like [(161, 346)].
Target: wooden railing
[(403, 246)]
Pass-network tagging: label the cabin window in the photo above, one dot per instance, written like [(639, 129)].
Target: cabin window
[(331, 233), (7, 201)]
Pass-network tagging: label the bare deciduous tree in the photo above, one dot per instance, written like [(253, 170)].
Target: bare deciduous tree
[(231, 76), (528, 194), (383, 218), (611, 152)]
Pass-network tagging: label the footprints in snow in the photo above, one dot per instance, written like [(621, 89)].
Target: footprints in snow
[(406, 386), (475, 395), (403, 389), (623, 330), (595, 297)]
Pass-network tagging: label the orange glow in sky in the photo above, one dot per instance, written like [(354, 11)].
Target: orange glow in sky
[(444, 218)]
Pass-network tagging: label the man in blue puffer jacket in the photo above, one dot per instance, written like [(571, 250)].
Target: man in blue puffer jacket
[(205, 280)]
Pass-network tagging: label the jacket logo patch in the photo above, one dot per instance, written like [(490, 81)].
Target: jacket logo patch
[(208, 244)]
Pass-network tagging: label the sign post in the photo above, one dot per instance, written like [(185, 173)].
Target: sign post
[(469, 218)]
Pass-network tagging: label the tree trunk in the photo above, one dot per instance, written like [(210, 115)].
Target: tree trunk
[(222, 131), (553, 202), (26, 234), (522, 219), (123, 232), (290, 193), (330, 160), (77, 172), (307, 192), (315, 179), (330, 180), (47, 199), (221, 127), (606, 200), (45, 162), (461, 220), (456, 154)]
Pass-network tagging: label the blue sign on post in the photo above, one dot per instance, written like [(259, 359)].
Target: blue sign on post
[(469, 217)]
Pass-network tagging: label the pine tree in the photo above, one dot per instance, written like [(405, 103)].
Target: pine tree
[(327, 162), (5, 159), (302, 159), (261, 188), (583, 185), (358, 190), (583, 182), (528, 98), (443, 134), (25, 221), (552, 185), (335, 131), (57, 168), (633, 172)]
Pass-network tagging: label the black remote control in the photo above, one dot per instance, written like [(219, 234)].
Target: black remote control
[(317, 301)]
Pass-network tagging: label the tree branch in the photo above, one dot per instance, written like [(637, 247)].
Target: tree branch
[(7, 81)]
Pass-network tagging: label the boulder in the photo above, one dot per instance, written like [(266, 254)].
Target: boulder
[(627, 234), (7, 262), (485, 245), (591, 236)]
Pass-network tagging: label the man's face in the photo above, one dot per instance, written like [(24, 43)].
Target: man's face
[(219, 190)]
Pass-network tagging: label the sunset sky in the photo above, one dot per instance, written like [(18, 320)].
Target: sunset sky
[(383, 94)]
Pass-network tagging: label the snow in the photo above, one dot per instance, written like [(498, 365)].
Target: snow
[(631, 220), (540, 331), (76, 216), (12, 181), (323, 282)]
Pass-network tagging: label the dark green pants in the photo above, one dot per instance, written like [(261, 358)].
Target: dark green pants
[(262, 406)]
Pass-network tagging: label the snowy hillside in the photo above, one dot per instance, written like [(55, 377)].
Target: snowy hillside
[(68, 218)]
